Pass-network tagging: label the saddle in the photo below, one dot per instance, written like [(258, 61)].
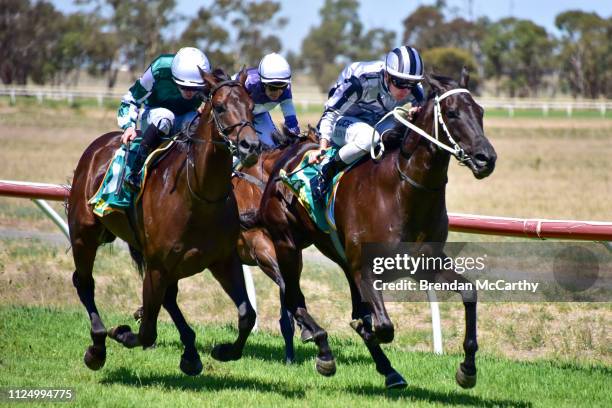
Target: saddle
[(113, 195)]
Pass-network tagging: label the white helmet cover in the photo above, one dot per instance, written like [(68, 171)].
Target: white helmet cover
[(406, 63), (274, 68), (185, 67)]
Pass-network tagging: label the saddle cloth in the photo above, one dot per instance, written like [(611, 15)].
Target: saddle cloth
[(113, 194), (299, 181)]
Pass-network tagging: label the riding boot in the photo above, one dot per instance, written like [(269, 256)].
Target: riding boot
[(321, 184), (150, 140)]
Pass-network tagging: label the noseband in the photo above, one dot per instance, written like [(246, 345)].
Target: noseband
[(225, 130)]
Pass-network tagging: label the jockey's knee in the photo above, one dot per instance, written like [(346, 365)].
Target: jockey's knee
[(163, 119), (350, 153)]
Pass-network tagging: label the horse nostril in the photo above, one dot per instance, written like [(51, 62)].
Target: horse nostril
[(481, 159), (244, 145)]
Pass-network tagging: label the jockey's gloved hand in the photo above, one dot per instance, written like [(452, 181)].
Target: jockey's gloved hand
[(294, 131)]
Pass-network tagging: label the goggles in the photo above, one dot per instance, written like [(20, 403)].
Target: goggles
[(276, 86), (402, 83)]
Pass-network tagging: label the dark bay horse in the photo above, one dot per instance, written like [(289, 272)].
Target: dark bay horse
[(399, 198), (186, 221)]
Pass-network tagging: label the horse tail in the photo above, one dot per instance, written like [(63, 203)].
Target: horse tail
[(250, 219), (138, 259)]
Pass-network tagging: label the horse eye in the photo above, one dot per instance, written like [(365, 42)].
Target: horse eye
[(220, 108), (451, 114)]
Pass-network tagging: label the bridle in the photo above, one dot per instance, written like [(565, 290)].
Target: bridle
[(223, 132), (400, 115), (454, 149)]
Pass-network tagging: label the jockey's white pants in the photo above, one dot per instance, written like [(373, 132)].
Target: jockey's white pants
[(165, 120), (354, 136)]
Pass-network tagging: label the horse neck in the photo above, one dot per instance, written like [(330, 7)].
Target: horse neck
[(428, 164), (212, 161)]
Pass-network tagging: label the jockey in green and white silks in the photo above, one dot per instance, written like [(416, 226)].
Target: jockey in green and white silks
[(171, 90), (362, 95)]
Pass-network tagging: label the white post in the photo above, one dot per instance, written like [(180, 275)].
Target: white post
[(436, 329), (250, 288), (100, 100), (510, 111), (39, 97), (545, 110), (55, 217), (568, 110), (602, 109), (13, 99)]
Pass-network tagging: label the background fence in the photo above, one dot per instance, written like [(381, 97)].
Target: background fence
[(305, 99)]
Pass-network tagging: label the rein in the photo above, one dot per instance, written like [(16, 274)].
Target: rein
[(400, 115), (223, 132)]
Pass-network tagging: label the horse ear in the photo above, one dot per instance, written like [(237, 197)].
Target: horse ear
[(465, 77), (434, 84), (208, 78), (242, 75)]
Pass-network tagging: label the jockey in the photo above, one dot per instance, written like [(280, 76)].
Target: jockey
[(270, 85), (362, 95), (172, 91)]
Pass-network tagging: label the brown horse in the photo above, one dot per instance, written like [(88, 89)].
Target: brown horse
[(255, 246), (186, 221), (398, 198)]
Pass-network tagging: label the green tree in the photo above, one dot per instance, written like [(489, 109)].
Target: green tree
[(519, 53), (338, 40), (586, 53), (243, 42), (449, 61)]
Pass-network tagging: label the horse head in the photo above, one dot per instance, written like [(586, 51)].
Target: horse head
[(460, 119), (232, 111)]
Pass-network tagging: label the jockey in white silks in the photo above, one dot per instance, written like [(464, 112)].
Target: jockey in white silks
[(172, 90), (362, 95), (269, 85)]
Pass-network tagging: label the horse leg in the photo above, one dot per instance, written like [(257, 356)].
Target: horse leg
[(466, 373), (266, 261), (362, 324), (229, 274), (153, 293), (190, 360), (84, 254), (290, 262)]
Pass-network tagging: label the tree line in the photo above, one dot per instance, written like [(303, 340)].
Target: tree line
[(517, 57)]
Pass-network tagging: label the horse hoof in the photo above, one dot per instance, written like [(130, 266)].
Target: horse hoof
[(94, 358), (395, 381), (306, 336), (326, 368), (463, 379), (224, 352), (191, 367)]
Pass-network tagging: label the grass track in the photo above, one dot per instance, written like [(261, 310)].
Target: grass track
[(43, 347)]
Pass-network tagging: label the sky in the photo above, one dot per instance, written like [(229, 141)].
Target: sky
[(389, 14)]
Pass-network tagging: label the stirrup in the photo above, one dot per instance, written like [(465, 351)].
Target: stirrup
[(320, 189)]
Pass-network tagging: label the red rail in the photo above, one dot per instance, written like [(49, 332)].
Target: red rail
[(26, 189), (475, 224)]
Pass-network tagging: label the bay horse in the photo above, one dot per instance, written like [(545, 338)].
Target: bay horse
[(186, 221), (255, 246), (399, 198)]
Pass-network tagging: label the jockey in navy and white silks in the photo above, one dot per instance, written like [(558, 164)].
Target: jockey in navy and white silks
[(270, 85), (171, 90), (362, 95)]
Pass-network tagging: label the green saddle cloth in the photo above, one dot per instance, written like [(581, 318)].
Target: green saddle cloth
[(113, 194), (299, 181)]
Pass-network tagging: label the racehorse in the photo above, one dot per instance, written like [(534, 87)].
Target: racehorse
[(399, 198), (186, 221), (255, 246)]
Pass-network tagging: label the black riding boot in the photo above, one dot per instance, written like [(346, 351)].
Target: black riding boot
[(150, 140), (321, 184)]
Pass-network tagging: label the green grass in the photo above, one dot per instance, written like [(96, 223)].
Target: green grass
[(41, 347)]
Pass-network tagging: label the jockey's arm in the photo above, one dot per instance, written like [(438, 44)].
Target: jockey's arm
[(130, 104), (291, 122)]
